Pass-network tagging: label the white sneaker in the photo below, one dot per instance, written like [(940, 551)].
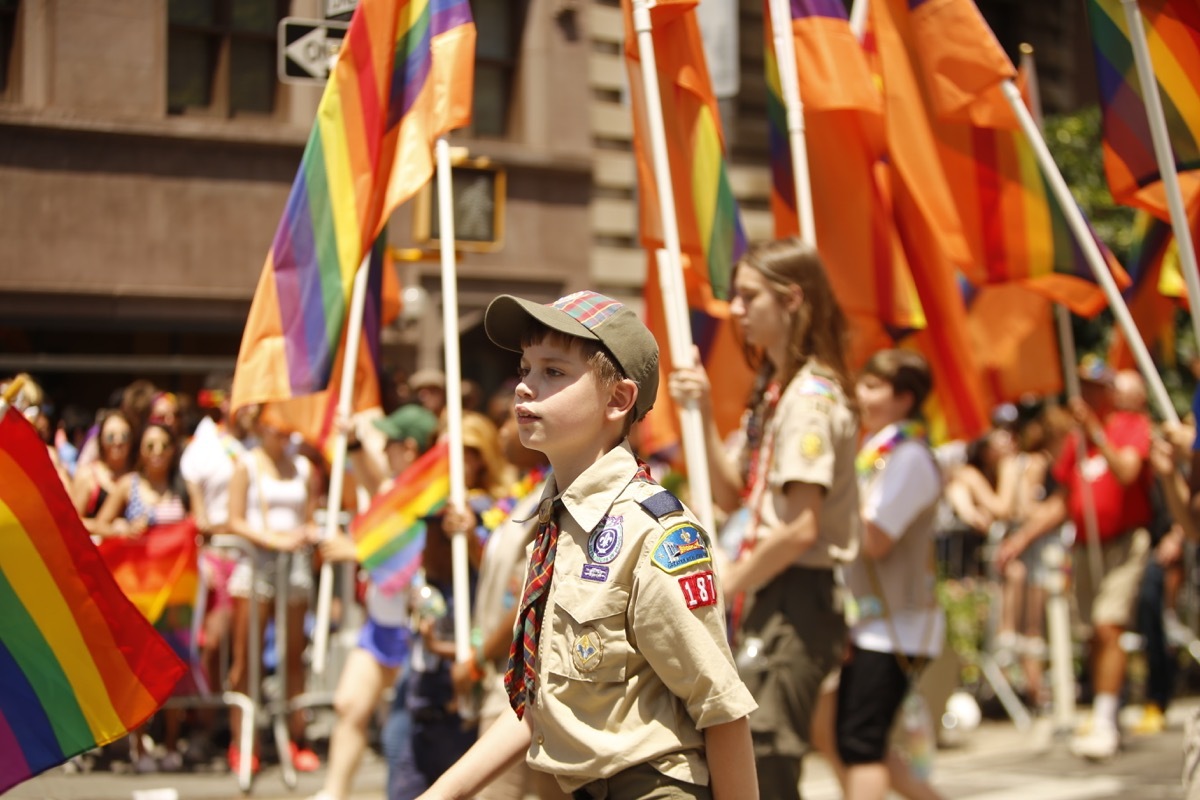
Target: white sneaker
[(1100, 743), (171, 762)]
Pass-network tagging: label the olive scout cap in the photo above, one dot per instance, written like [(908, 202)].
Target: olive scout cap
[(585, 315)]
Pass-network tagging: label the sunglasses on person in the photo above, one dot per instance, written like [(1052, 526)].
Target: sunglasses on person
[(155, 447), (116, 438)]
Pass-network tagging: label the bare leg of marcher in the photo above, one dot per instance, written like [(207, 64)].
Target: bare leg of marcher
[(358, 691)]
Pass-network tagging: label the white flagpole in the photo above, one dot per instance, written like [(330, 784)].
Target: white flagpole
[(337, 469), (1166, 159), (1091, 252), (858, 18), (679, 334), (454, 417), (789, 81)]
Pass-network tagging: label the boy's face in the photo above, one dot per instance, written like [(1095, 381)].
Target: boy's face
[(878, 403), (560, 408)]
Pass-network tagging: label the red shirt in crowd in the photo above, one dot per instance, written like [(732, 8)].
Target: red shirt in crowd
[(1118, 508)]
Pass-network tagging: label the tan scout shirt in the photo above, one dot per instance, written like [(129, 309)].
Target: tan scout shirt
[(627, 673), (815, 441)]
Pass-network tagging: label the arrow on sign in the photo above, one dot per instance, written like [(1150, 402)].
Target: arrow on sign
[(310, 52)]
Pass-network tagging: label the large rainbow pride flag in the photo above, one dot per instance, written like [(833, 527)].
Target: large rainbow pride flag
[(404, 77), (390, 534), (709, 221), (1173, 39), (79, 664), (156, 569)]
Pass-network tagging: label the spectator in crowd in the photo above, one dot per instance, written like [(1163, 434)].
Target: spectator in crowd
[(429, 388), (272, 496), (96, 480), (1113, 478)]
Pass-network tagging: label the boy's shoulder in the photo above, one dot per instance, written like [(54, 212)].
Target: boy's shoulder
[(673, 537)]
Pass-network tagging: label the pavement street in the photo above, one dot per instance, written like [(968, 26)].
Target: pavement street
[(995, 762)]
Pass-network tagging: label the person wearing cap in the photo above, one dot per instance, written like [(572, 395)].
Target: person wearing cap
[(429, 387), (383, 642), (1114, 479), (408, 431), (795, 478), (619, 673)]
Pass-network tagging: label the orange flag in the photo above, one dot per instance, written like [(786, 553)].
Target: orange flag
[(937, 59)]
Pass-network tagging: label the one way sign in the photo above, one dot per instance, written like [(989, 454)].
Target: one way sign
[(308, 49)]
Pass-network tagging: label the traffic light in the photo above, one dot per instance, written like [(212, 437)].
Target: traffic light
[(479, 191)]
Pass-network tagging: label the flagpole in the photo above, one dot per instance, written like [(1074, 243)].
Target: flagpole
[(1166, 159), (1091, 252), (789, 81), (337, 469), (679, 334), (454, 416), (858, 17)]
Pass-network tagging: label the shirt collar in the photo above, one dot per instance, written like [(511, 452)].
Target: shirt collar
[(589, 498)]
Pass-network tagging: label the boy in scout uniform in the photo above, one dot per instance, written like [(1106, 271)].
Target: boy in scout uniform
[(620, 677)]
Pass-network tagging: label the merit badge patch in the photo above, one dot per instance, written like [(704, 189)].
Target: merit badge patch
[(594, 572), (812, 445), (605, 542), (587, 651), (679, 547), (699, 589)]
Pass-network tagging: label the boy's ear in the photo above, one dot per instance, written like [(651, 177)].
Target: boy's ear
[(621, 399)]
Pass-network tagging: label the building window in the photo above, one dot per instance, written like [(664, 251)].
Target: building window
[(221, 55), (8, 29), (498, 25)]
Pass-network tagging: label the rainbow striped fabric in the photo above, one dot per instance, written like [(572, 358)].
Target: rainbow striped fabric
[(1014, 226), (1173, 36), (79, 665), (710, 225), (390, 535), (157, 569), (403, 77)]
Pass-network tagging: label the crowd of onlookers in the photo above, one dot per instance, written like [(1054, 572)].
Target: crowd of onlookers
[(155, 457)]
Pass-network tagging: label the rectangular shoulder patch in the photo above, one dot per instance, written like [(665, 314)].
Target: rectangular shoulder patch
[(817, 386), (699, 589), (662, 504), (679, 547)]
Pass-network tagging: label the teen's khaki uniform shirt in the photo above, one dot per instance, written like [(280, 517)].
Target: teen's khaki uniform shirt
[(632, 659), (815, 441)]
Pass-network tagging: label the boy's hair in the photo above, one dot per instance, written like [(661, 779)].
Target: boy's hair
[(616, 342), (908, 373)]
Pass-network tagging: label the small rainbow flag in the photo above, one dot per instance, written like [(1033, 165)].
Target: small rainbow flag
[(1173, 39), (79, 665), (157, 569), (390, 535), (404, 77)]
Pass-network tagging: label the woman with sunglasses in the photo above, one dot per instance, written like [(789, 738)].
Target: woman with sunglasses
[(97, 479), (153, 494)]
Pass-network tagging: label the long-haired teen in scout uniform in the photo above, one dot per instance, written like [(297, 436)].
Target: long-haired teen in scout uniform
[(795, 477), (620, 677)]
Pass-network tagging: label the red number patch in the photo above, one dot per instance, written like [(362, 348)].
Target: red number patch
[(699, 589)]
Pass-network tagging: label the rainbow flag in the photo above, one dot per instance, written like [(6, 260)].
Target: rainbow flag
[(1173, 37), (710, 227), (390, 535), (403, 77), (157, 569), (843, 119), (1013, 224), (79, 666)]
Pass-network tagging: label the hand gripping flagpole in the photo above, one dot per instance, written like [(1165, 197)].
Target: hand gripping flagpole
[(1166, 159), (670, 272), (789, 81), (1091, 252), (337, 469), (454, 418)]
